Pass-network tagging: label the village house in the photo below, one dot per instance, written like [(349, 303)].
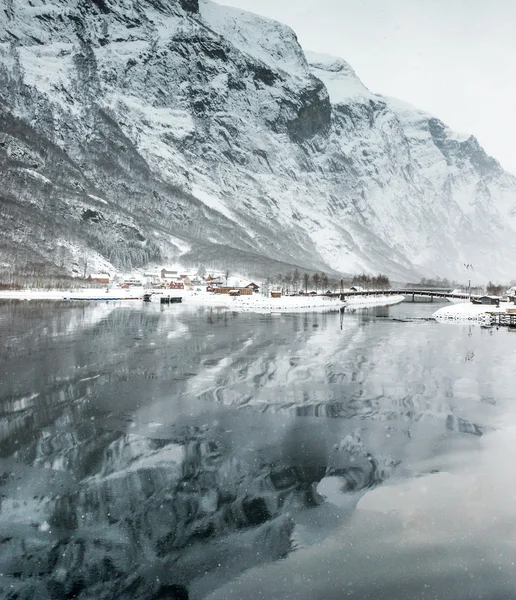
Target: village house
[(234, 291), (151, 279), (132, 281), (168, 275), (99, 278)]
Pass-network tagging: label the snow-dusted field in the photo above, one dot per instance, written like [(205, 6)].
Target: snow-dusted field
[(289, 303), (284, 304), (470, 312)]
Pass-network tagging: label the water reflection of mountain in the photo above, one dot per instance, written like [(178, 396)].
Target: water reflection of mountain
[(142, 448)]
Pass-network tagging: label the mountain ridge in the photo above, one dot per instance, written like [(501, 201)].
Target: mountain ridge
[(136, 133)]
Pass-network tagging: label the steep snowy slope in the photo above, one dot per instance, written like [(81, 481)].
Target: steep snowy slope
[(142, 131)]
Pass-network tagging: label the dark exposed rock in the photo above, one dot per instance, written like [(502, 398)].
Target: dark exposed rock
[(171, 592), (454, 423), (313, 115), (190, 5), (255, 510)]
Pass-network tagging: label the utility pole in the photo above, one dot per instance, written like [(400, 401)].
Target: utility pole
[(469, 290)]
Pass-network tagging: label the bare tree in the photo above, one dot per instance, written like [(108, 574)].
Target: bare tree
[(62, 255), (226, 275), (84, 266), (296, 278), (288, 282), (316, 278), (306, 280), (494, 289), (324, 282)]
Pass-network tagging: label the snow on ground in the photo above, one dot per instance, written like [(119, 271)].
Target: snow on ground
[(213, 202), (469, 312), (258, 303), (254, 303), (174, 122), (34, 174), (285, 304), (97, 198), (80, 294), (419, 119), (288, 303), (367, 301)]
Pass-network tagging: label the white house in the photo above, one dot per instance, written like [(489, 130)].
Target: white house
[(169, 274)]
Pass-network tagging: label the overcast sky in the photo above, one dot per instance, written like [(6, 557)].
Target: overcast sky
[(453, 58)]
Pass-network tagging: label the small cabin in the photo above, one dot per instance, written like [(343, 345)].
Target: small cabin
[(276, 294), (253, 286), (493, 300), (228, 290)]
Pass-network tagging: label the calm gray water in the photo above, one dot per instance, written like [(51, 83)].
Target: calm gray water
[(240, 456)]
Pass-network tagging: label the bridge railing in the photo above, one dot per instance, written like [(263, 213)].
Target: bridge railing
[(436, 293)]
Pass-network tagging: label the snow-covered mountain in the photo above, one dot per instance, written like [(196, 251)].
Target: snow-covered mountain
[(133, 132)]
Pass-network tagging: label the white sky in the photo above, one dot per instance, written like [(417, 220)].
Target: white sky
[(454, 58)]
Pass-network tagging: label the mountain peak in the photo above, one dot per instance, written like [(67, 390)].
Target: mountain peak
[(338, 76), (266, 40)]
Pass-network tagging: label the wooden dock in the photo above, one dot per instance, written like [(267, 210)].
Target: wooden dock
[(171, 300), (506, 319)]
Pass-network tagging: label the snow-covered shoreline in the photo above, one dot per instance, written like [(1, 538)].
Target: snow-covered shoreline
[(371, 301), (80, 294), (289, 303), (284, 304), (467, 311), (254, 303)]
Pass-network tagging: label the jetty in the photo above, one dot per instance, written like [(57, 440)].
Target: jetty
[(507, 319)]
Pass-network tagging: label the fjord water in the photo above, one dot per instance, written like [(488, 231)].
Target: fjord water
[(360, 455)]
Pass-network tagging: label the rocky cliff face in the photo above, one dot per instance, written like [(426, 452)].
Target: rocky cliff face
[(133, 132)]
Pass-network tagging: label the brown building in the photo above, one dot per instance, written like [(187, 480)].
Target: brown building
[(245, 291), (98, 278)]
